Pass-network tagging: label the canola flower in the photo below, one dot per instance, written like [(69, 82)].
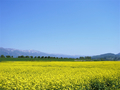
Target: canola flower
[(27, 75)]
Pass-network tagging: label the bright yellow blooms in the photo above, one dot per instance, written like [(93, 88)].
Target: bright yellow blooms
[(27, 75)]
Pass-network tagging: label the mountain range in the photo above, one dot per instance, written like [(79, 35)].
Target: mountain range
[(107, 56), (17, 52)]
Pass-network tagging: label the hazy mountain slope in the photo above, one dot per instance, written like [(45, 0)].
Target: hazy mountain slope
[(118, 54), (107, 56), (16, 53)]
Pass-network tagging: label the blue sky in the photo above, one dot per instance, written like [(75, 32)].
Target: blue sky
[(72, 27)]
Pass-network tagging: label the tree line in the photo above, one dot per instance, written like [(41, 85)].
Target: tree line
[(47, 57)]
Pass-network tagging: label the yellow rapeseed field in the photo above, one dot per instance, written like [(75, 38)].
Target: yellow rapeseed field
[(35, 75)]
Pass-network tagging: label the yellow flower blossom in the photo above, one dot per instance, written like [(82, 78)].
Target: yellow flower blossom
[(25, 75)]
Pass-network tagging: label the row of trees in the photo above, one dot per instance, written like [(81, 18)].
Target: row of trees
[(8, 56), (34, 57), (47, 57), (87, 57)]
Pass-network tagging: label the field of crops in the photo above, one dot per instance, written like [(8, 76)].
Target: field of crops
[(36, 75)]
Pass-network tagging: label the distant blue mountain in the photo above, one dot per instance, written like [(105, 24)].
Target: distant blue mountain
[(118, 54), (16, 53), (107, 56)]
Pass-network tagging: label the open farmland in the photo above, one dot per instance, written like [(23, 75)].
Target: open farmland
[(38, 75)]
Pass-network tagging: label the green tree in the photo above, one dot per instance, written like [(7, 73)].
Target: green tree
[(87, 57), (51, 57), (38, 56), (8, 56), (26, 56), (31, 56), (42, 57), (48, 56), (81, 57), (22, 56), (56, 57), (2, 56), (19, 56), (61, 57), (35, 57)]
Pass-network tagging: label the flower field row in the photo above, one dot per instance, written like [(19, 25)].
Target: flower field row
[(26, 75)]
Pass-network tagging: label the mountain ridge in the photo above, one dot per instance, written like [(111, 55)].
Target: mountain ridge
[(107, 56), (17, 52)]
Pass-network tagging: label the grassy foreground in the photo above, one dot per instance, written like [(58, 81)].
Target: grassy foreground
[(39, 75)]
